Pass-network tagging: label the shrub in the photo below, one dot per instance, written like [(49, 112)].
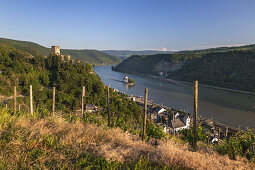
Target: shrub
[(239, 144)]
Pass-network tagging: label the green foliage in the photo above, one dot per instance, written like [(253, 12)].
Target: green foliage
[(131, 80), (187, 134), (146, 63), (239, 144), (153, 131), (233, 69), (44, 78), (94, 162), (45, 73)]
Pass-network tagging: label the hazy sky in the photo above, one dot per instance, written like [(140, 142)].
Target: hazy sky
[(129, 24)]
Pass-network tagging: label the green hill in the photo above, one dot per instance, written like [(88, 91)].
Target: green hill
[(19, 68), (30, 47), (123, 54), (231, 69), (220, 49), (91, 56), (224, 67), (152, 64)]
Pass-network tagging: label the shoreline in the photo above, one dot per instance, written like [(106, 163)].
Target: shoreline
[(189, 111), (139, 99), (202, 85), (188, 83)]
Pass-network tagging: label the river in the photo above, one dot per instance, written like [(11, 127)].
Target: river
[(231, 108)]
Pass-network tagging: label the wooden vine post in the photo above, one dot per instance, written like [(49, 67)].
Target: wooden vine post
[(253, 148), (15, 100), (31, 100), (194, 143), (145, 113), (226, 134), (219, 132), (82, 101), (108, 104), (53, 101)]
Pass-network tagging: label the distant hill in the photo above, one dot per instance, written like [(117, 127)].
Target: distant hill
[(30, 47), (230, 69), (91, 56), (220, 49), (153, 64), (127, 53), (123, 54)]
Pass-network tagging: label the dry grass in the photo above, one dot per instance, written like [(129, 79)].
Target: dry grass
[(113, 144)]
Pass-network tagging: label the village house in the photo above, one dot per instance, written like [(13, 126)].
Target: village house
[(179, 122), (159, 115)]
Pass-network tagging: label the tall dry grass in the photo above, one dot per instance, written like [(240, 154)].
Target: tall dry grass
[(113, 144)]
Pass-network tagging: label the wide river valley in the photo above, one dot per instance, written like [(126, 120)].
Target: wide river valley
[(231, 108)]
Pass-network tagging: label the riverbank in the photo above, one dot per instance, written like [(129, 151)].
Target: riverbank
[(188, 83), (202, 85), (230, 108), (220, 127)]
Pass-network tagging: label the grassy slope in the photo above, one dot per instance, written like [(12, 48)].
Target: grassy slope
[(48, 142), (92, 56)]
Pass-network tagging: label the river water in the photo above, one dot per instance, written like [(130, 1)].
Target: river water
[(231, 108)]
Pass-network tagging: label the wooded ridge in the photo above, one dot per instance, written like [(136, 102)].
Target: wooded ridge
[(230, 69), (93, 57)]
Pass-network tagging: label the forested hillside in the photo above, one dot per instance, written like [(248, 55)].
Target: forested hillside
[(231, 69), (20, 69), (234, 69), (147, 63), (91, 56)]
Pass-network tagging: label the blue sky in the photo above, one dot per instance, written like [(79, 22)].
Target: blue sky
[(129, 24)]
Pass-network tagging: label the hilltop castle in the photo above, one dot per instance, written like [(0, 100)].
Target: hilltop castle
[(55, 50)]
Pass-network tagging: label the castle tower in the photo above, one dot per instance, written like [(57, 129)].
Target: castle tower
[(55, 50)]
